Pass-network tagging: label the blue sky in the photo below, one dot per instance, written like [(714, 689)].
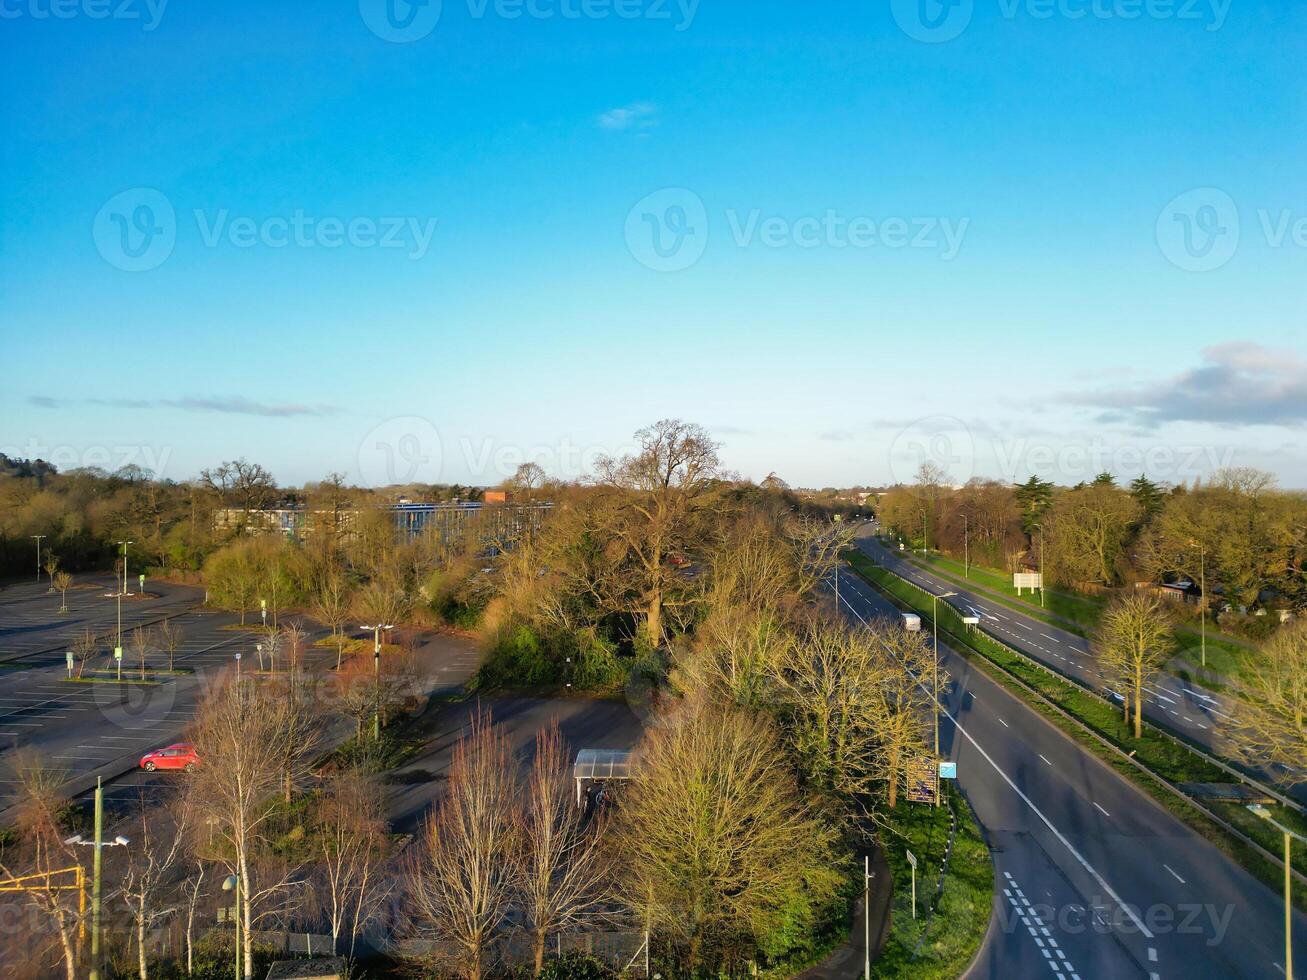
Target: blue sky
[(1065, 239)]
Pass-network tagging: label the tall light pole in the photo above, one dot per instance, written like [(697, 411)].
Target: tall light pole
[(1265, 814), (123, 545), (966, 545), (1041, 564), (99, 845), (376, 674), (37, 538), (934, 615), (1202, 602)]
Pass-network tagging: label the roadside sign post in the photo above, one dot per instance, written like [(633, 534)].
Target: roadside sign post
[(118, 659), (263, 611), (69, 657), (238, 663), (948, 770), (912, 861), (141, 578)]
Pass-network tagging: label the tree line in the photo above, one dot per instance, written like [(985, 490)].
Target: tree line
[(1238, 531)]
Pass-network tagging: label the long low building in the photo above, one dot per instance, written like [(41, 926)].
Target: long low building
[(446, 520)]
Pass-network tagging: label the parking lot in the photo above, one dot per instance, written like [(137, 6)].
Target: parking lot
[(31, 623), (86, 729), (83, 730)]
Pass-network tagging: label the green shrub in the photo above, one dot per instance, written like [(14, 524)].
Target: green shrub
[(518, 660), (576, 966)]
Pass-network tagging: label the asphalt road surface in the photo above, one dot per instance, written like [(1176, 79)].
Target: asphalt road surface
[(1182, 706), (31, 623), (1094, 879), (583, 723)]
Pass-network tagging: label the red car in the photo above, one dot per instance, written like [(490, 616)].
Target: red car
[(179, 756)]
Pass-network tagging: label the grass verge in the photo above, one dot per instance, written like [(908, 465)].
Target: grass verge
[(942, 944), (1094, 722)]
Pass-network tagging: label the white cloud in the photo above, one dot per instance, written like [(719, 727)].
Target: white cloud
[(637, 115)]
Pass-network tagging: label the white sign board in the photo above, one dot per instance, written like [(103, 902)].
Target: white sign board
[(1027, 580)]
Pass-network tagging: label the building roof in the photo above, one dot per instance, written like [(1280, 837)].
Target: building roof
[(602, 764)]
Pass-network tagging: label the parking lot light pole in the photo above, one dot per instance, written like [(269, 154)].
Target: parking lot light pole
[(123, 545), (1265, 814), (376, 674), (99, 844), (37, 538)]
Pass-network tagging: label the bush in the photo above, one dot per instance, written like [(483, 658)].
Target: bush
[(597, 665), (455, 597), (576, 966), (517, 660), (524, 657)]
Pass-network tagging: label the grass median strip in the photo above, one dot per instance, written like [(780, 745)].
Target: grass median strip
[(950, 926), (1094, 722)]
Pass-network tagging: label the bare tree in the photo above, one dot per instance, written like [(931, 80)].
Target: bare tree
[(461, 883), (242, 485), (170, 636), (713, 834), (384, 601), (142, 642), (51, 890), (149, 868), (737, 656), (63, 582), (331, 606), (1271, 706), (563, 871), (51, 566), (855, 713), (350, 832), (84, 648), (191, 891), (245, 733), (1134, 643), (295, 636), (661, 490)]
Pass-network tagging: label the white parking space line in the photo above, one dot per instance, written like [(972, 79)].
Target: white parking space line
[(1102, 811), (1173, 874)]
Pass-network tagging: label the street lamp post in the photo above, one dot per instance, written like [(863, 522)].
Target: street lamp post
[(966, 546), (1202, 601), (1265, 814), (37, 538), (376, 674), (99, 844), (934, 615), (123, 545), (1042, 571)]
